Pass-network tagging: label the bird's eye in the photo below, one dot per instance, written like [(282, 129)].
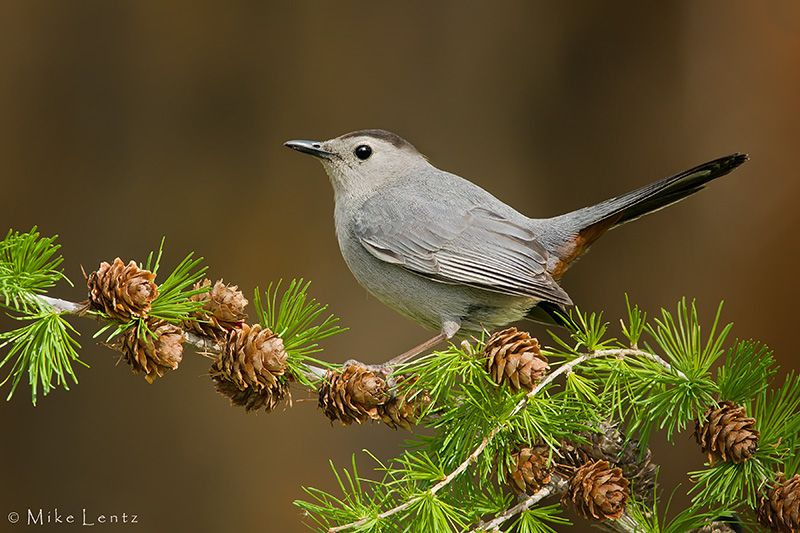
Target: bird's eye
[(363, 151)]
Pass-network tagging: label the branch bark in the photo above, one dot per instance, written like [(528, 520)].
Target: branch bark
[(556, 485)]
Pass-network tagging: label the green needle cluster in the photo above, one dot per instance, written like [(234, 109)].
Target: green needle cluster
[(452, 475), (45, 347)]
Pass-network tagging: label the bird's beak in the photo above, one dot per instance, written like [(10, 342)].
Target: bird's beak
[(309, 147)]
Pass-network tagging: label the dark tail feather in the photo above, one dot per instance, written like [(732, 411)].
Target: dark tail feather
[(552, 315), (654, 196), (577, 230)]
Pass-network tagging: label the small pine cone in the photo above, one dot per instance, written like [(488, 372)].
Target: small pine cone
[(609, 444), (403, 410), (223, 310), (354, 394), (727, 433), (153, 356), (121, 291), (531, 469), (515, 357), (779, 508), (249, 369), (598, 491), (723, 524), (252, 399), (571, 455), (606, 443)]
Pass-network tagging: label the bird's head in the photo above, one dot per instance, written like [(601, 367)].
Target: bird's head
[(363, 161)]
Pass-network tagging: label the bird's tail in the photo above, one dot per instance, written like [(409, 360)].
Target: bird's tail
[(577, 230)]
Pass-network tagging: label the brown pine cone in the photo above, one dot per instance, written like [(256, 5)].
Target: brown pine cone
[(358, 393), (779, 508), (152, 355), (121, 291), (250, 368), (727, 433), (531, 469), (515, 357), (223, 310), (251, 398), (353, 394), (403, 409), (610, 444), (598, 491), (728, 524)]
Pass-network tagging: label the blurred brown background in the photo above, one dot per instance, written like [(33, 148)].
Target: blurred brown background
[(122, 122)]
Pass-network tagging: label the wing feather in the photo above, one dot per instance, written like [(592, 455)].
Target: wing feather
[(476, 247)]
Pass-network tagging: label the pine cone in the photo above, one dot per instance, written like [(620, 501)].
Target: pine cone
[(403, 410), (598, 491), (779, 508), (515, 357), (252, 399), (530, 470), (610, 445), (250, 367), (354, 394), (121, 291), (153, 356), (722, 524), (727, 433), (223, 310)]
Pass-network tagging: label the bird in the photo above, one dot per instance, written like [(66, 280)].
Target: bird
[(449, 255)]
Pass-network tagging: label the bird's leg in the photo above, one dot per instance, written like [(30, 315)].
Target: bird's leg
[(449, 328), (430, 343)]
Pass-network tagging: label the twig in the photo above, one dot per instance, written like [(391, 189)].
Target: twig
[(436, 488), (624, 524), (556, 485), (617, 352), (647, 355), (62, 306), (204, 345), (566, 367)]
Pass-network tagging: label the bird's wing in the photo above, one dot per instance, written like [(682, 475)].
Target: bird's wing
[(474, 246)]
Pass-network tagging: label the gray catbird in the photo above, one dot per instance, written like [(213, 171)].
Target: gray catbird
[(449, 255)]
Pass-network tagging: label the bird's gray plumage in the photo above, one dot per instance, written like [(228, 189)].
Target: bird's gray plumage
[(449, 255), (472, 245)]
